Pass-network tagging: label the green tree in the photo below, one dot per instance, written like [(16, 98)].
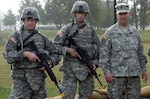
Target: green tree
[(107, 13), (58, 11), (97, 13), (32, 3), (144, 13), (134, 16), (9, 19), (140, 13)]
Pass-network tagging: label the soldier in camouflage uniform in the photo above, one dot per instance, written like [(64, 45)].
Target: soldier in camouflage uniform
[(122, 58), (28, 78), (74, 70)]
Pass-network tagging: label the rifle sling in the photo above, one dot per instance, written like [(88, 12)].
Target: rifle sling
[(75, 33), (32, 34)]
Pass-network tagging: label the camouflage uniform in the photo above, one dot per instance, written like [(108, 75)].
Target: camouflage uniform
[(28, 80), (122, 56), (74, 70)]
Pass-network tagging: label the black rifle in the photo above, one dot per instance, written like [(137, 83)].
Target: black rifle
[(84, 55), (44, 62)]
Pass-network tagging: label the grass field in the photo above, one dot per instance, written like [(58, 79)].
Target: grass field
[(5, 80)]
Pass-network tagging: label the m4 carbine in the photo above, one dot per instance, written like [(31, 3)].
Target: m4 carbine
[(84, 55), (44, 62)]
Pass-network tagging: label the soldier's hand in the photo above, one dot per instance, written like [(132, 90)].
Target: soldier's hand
[(73, 53), (109, 77), (94, 66), (31, 56), (144, 76), (42, 68), (50, 65)]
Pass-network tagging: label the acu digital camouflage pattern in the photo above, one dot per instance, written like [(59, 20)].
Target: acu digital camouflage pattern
[(73, 69), (133, 86), (30, 12), (28, 81), (80, 6), (122, 55)]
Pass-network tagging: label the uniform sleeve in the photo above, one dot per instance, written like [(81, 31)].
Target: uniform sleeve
[(59, 41), (53, 52), (96, 47), (105, 52), (141, 56), (11, 53)]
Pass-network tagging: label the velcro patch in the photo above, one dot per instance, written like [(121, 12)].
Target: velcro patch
[(104, 38), (13, 39), (60, 33)]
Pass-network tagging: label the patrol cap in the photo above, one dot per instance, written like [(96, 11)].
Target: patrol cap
[(122, 7)]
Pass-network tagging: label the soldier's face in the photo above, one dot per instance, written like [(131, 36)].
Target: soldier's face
[(123, 18), (30, 23), (80, 16)]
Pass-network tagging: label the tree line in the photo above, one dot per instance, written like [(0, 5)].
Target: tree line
[(58, 12)]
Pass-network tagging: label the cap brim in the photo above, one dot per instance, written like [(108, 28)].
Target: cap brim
[(122, 11)]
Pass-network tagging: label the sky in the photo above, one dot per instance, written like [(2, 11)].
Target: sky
[(5, 5)]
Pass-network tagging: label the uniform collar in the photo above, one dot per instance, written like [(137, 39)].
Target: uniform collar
[(129, 27), (77, 25)]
